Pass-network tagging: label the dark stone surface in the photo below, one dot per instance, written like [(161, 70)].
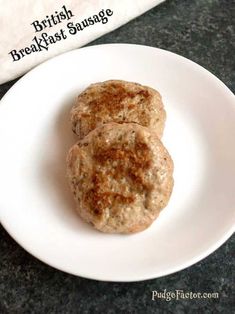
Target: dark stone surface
[(204, 31)]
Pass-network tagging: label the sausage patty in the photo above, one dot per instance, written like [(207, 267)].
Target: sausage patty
[(117, 101), (121, 177)]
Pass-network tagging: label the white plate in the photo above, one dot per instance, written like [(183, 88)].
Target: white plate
[(36, 205)]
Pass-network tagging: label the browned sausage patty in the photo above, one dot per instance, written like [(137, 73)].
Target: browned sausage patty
[(117, 101), (121, 177)]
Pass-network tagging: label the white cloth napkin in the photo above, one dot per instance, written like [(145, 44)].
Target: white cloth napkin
[(17, 31)]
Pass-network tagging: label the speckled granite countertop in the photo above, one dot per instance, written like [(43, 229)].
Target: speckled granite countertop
[(204, 31)]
